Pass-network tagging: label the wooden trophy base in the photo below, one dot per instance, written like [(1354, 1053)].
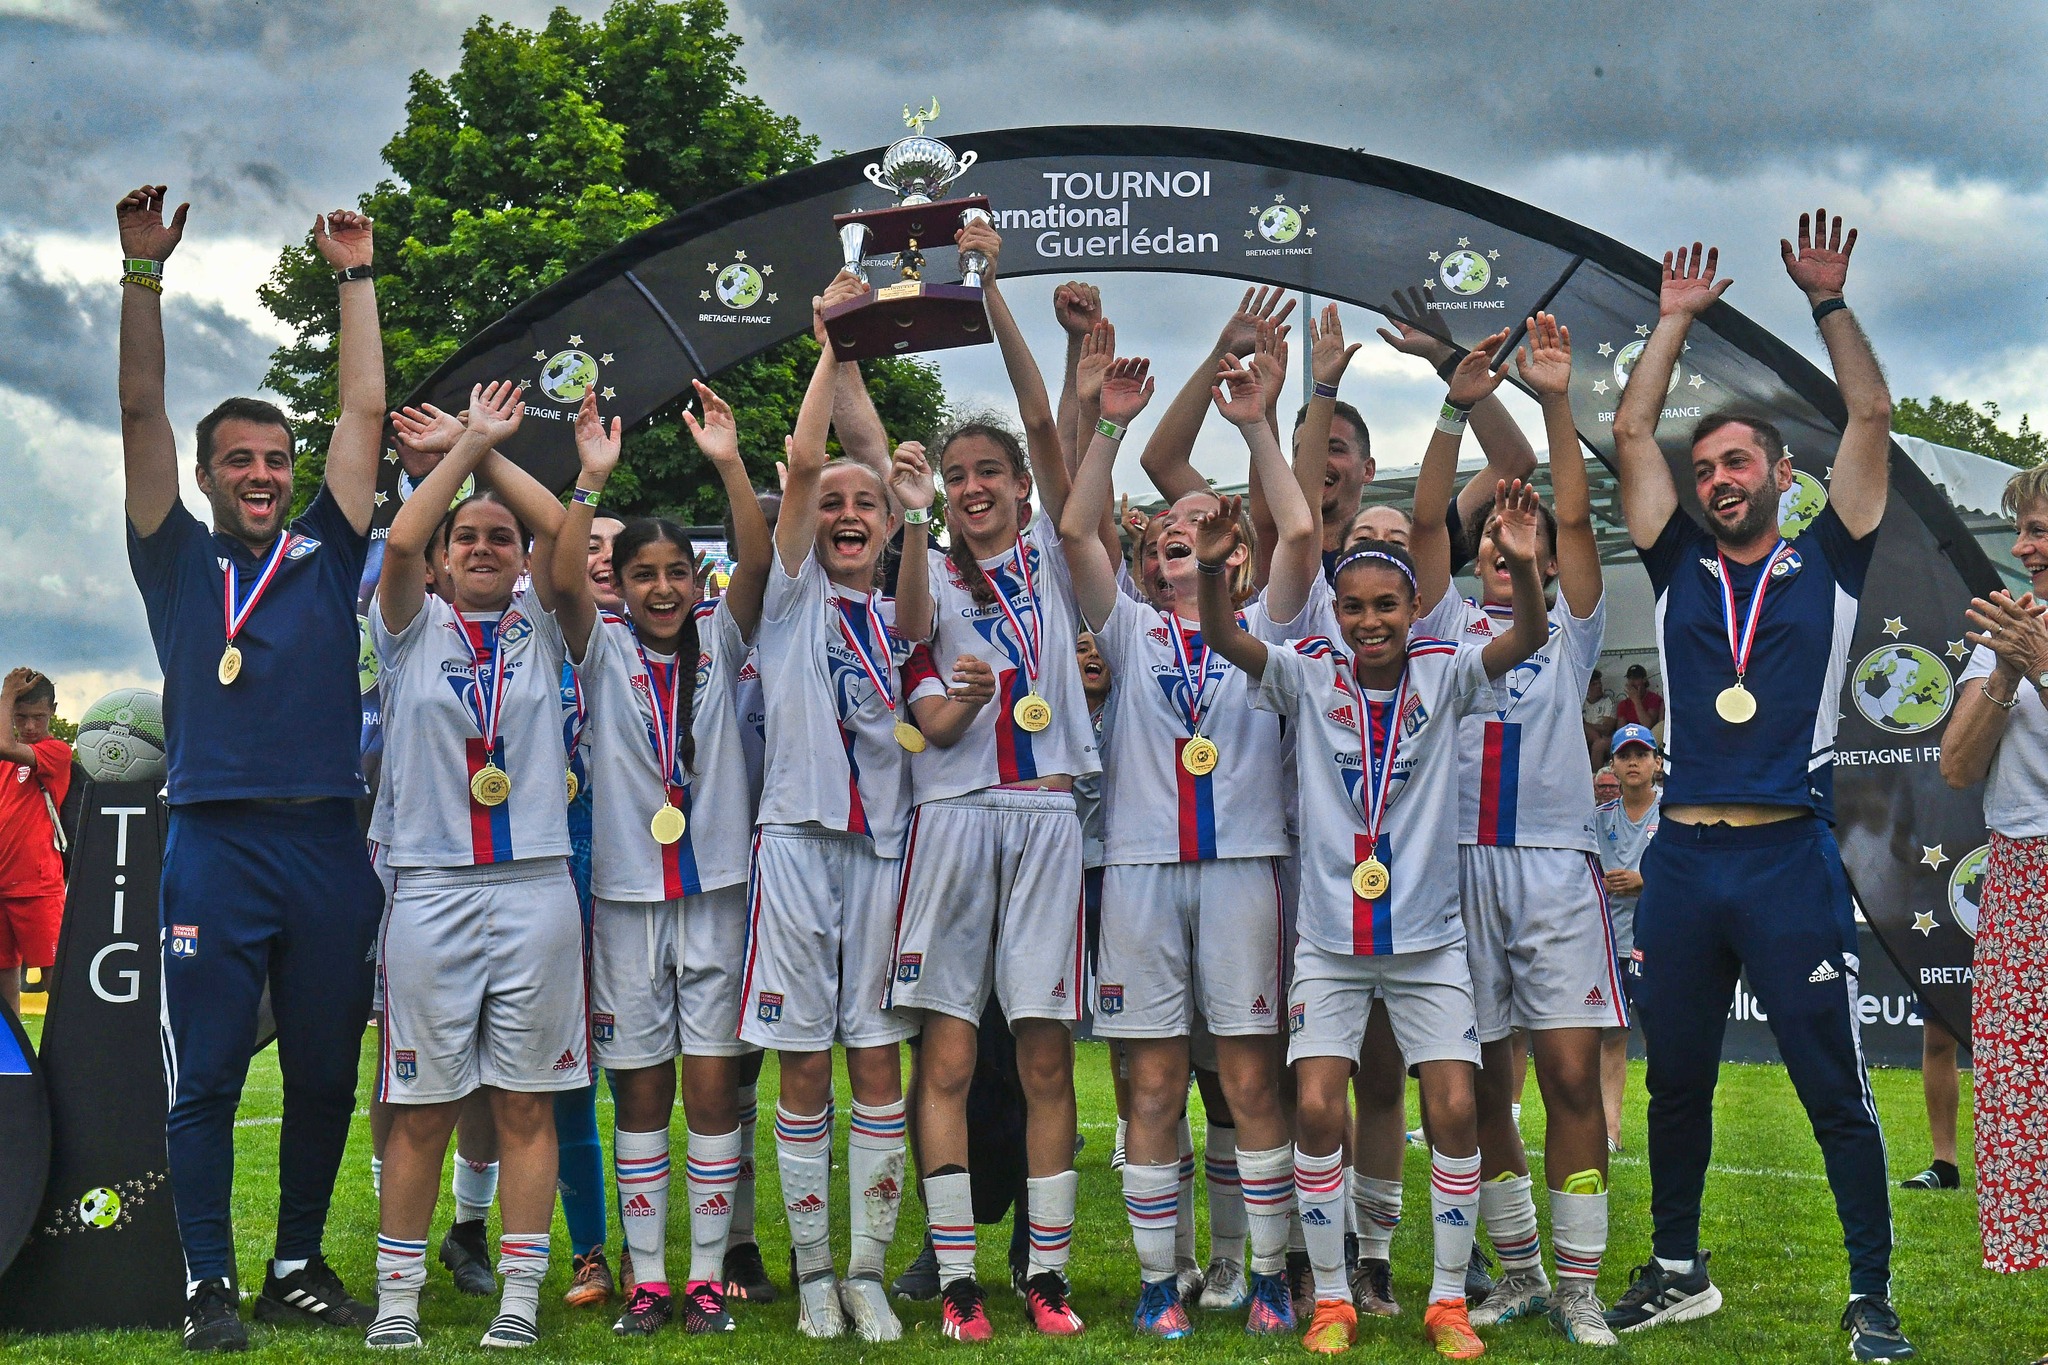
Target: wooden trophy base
[(931, 225), (901, 319)]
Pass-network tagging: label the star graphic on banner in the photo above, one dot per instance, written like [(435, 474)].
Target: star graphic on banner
[(390, 457), (540, 355), (1894, 627), (774, 298), (1686, 347), (605, 359), (1958, 650), (1311, 232), (711, 266), (1697, 380), (1642, 330), (379, 499), (1301, 208), (1279, 198), (1247, 234), (704, 294), (1829, 476), (1923, 923), (1599, 386), (739, 255), (1932, 857), (1606, 348), (767, 270), (576, 338), (1493, 255), (1429, 284), (1464, 241), (1502, 281), (1435, 256), (607, 393)]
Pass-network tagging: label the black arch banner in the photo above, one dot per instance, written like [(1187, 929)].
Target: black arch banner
[(730, 277)]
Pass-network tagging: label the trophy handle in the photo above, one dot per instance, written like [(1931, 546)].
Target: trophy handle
[(960, 168), (873, 172)]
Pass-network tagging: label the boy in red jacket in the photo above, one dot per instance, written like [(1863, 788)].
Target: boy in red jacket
[(36, 775)]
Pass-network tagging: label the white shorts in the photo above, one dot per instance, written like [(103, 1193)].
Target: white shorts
[(1182, 940), (665, 978), (380, 863), (483, 982), (817, 950), (1428, 995), (1539, 939), (992, 901)]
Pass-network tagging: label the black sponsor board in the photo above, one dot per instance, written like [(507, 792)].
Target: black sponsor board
[(24, 1136)]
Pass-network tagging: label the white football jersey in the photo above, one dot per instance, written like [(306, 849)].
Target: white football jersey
[(1156, 810), (433, 734), (626, 863), (1525, 781), (753, 722), (1040, 597), (832, 758), (1310, 683)]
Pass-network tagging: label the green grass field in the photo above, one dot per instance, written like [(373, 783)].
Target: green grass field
[(1778, 1258)]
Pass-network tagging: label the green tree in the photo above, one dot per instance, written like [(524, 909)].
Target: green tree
[(1959, 424), (64, 729), (543, 149)]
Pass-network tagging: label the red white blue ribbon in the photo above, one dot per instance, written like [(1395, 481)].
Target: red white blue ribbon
[(665, 713), (1376, 783), (880, 672), (1198, 680), (1033, 642), (1739, 649), (487, 704), (236, 616)]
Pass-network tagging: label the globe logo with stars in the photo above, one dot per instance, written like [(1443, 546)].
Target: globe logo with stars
[(1800, 504), (1902, 689), (1966, 888), (1465, 272), (739, 285), (1279, 223), (1625, 365), (568, 375), (99, 1207)]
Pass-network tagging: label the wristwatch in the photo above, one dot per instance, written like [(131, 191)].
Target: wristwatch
[(354, 272)]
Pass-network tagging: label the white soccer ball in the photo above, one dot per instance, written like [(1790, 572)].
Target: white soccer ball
[(121, 738)]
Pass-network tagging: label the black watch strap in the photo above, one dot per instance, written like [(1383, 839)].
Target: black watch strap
[(354, 272)]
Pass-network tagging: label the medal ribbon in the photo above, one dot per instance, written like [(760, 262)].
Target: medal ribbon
[(878, 673), (580, 714), (665, 713), (488, 705), (1033, 642), (1198, 682), (1376, 783), (238, 616), (1739, 649)]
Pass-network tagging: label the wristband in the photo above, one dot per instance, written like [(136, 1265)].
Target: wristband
[(1105, 427), (1827, 306), (354, 272), (1213, 570), (1325, 390), (1452, 418), (142, 265), (586, 497), (152, 283), (917, 516)]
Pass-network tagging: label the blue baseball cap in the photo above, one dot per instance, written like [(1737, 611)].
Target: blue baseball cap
[(1633, 734)]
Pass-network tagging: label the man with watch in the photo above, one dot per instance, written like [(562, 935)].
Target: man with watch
[(1745, 874), (265, 876)]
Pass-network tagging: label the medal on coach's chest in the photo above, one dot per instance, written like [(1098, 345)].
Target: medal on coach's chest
[(1736, 704), (490, 785), (664, 725), (1371, 878), (1199, 756), (1032, 711), (236, 614)]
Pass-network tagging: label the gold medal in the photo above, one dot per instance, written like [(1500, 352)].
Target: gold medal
[(1032, 712), (573, 784), (490, 786), (668, 824), (1736, 704), (1370, 879), (1199, 756), (230, 665), (910, 737)]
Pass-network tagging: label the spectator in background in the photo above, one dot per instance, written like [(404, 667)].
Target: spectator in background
[(1627, 821), (31, 868), (1639, 705), (1599, 716), (1606, 787), (1941, 1086)]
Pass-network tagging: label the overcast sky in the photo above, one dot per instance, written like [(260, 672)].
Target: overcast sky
[(1720, 120)]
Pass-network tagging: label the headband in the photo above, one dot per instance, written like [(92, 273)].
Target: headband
[(1348, 560)]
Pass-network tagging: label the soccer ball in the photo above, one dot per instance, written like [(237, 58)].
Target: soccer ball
[(121, 738), (99, 1207)]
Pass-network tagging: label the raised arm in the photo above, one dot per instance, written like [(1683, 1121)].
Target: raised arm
[(796, 529), (1516, 539), (1077, 307), (1215, 541), (2015, 633), (1546, 367), (1295, 561), (1098, 350), (1125, 391), (1862, 476), (563, 576), (1171, 446), (1034, 408), (1268, 361), (1508, 452), (344, 240), (149, 452), (861, 434), (1472, 382), (493, 415), (13, 750), (910, 479), (1649, 498)]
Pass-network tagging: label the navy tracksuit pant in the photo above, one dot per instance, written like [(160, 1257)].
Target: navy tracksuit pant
[(1770, 900), (258, 892)]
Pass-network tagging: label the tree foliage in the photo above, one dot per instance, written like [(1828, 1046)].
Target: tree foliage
[(543, 149), (1957, 423)]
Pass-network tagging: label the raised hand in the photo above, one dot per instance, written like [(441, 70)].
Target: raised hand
[(344, 238), (495, 410), (1821, 265), (1545, 364), (845, 285), (1689, 286), (1268, 362), (427, 429), (1328, 356), (1098, 351), (1409, 312), (1133, 522), (1216, 531), (1518, 511), (1077, 307), (18, 681), (1239, 392), (1126, 389), (1475, 378), (597, 447), (717, 435), (910, 476), (1263, 304), (983, 237), (144, 235), (974, 682)]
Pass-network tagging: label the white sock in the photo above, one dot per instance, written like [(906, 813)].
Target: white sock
[(1578, 1233), (523, 1261), (1184, 1211), (401, 1272), (710, 1171), (1516, 1108), (1376, 1209), (1678, 1267), (1226, 1193), (476, 1188), (640, 1163), (1509, 1212), (743, 1188), (874, 1168), (377, 1176), (284, 1268), (803, 1151), (1151, 1194), (1454, 1210), (1265, 1189), (949, 1215), (1049, 1205), (1319, 1190)]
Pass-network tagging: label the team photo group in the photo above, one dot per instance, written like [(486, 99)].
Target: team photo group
[(946, 741)]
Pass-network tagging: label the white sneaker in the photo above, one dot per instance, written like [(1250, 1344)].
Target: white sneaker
[(394, 1332), (819, 1315), (1224, 1287), (1517, 1294), (1576, 1312), (511, 1331), (1188, 1277), (867, 1307)]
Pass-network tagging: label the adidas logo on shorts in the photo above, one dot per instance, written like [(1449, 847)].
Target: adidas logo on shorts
[(810, 1203), (1824, 972), (1595, 999), (1471, 1033), (1059, 991), (716, 1206), (1259, 1006), (566, 1062), (639, 1206)]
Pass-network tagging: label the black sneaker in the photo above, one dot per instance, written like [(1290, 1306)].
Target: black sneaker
[(311, 1294), (1873, 1328), (1655, 1296), (1479, 1281), (1939, 1175), (920, 1279), (213, 1319), (1301, 1285), (647, 1312), (466, 1251), (704, 1310), (746, 1274)]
